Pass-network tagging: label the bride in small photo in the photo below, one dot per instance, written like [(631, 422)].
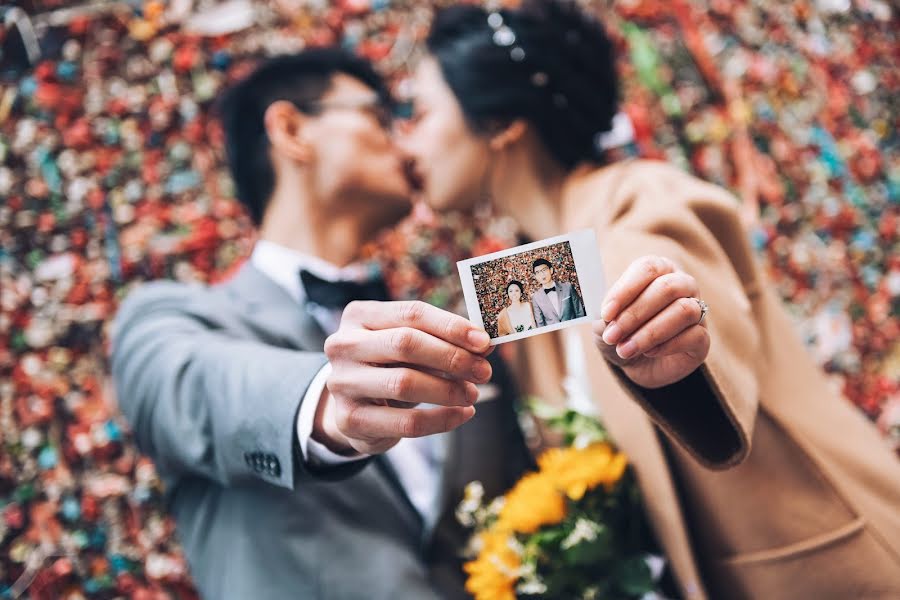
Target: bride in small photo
[(519, 315)]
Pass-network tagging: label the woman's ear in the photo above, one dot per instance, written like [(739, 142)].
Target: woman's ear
[(286, 128), (511, 134)]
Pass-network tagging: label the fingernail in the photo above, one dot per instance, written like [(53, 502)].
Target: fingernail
[(627, 349), (478, 339), (482, 370), (471, 394), (606, 313), (612, 333)]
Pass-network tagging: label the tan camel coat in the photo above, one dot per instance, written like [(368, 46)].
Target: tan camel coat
[(759, 480)]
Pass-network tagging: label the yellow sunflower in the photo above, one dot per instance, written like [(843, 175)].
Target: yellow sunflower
[(494, 573), (535, 501), (577, 470)]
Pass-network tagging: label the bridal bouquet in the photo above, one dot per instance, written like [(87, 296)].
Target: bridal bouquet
[(573, 529)]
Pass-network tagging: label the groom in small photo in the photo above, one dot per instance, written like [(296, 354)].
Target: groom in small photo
[(557, 302)]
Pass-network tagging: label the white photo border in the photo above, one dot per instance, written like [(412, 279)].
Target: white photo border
[(585, 254)]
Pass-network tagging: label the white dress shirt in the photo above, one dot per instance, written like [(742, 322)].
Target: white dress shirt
[(554, 298), (417, 461)]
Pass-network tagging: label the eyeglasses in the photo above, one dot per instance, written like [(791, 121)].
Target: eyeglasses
[(541, 270), (376, 107)]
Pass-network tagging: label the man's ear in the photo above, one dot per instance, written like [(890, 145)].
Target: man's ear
[(509, 135), (285, 127)]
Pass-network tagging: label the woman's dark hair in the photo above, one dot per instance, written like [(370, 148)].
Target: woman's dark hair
[(302, 79), (518, 283), (547, 62)]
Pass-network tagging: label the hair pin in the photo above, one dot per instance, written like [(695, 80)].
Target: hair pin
[(503, 35)]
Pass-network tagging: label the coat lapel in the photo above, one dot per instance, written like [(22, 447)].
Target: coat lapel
[(636, 436), (629, 426)]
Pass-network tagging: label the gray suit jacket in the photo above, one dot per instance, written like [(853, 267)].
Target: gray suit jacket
[(570, 305), (211, 379)]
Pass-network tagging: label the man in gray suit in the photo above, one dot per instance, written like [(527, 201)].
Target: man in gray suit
[(283, 486), (554, 302)]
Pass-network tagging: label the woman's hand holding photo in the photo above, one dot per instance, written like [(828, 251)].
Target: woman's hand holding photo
[(652, 323)]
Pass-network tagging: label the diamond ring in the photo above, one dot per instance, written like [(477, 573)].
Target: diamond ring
[(704, 308)]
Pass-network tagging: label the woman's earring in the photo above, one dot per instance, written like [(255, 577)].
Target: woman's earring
[(484, 208)]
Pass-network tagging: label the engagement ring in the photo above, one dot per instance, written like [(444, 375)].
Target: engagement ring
[(704, 308)]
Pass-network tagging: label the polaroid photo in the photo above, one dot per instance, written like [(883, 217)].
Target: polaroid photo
[(535, 288)]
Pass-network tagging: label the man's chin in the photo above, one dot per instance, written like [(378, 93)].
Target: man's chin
[(391, 210)]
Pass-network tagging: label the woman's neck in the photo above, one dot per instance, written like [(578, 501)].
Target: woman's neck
[(528, 186)]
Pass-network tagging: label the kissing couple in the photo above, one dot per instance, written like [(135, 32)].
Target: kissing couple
[(314, 435)]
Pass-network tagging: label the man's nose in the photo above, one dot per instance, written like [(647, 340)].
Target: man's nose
[(394, 140), (402, 143)]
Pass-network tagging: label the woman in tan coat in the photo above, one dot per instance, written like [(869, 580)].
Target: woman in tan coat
[(518, 316), (759, 481)]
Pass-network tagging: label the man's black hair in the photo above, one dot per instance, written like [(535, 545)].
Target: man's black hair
[(539, 262), (302, 79)]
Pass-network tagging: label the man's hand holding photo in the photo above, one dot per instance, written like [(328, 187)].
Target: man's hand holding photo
[(388, 357)]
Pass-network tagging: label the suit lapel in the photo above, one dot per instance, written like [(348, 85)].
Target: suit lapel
[(546, 305), (271, 312), (492, 437), (384, 466), (564, 292), (489, 448)]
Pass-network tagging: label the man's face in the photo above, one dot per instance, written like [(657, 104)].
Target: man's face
[(354, 162), (543, 274)]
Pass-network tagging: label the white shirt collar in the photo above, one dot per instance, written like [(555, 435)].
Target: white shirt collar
[(282, 265)]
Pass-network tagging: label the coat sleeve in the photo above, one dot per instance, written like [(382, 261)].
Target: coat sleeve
[(665, 212), (203, 403)]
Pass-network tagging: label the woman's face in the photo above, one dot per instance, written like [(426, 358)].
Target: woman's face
[(449, 160), (514, 293)]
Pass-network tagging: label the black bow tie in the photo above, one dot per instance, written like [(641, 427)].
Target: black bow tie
[(338, 294), (549, 289)]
